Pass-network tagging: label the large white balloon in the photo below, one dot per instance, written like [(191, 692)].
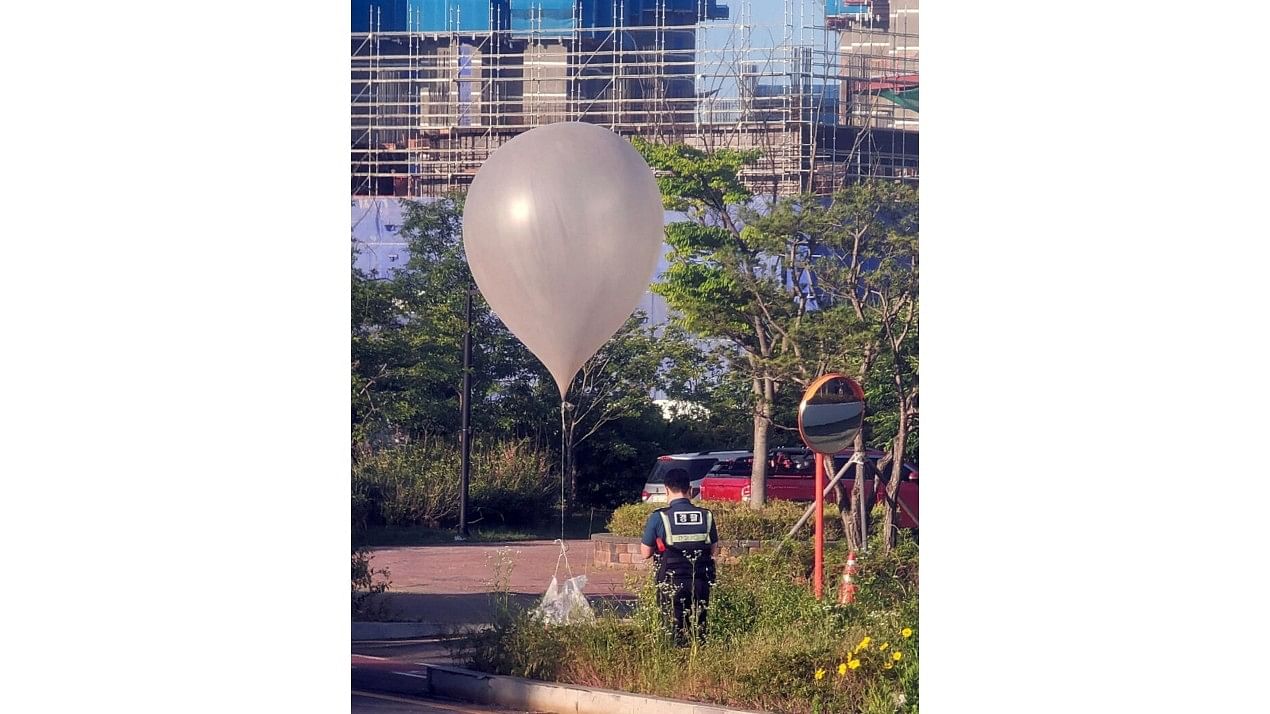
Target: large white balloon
[(562, 229)]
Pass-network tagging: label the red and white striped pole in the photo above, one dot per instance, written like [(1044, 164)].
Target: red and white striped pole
[(846, 593)]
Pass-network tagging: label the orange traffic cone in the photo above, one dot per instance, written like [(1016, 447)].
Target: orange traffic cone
[(846, 593)]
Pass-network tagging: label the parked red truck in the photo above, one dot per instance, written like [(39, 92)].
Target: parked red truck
[(791, 476)]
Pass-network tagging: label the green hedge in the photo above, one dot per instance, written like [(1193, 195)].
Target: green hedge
[(735, 520)]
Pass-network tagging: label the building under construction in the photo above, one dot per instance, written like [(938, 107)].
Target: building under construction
[(826, 89)]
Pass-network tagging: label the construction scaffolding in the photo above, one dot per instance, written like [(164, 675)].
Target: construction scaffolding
[(827, 91)]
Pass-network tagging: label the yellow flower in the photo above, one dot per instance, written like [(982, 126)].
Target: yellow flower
[(820, 674), (854, 664), (897, 656), (907, 632), (842, 669), (888, 665), (884, 646), (863, 643)]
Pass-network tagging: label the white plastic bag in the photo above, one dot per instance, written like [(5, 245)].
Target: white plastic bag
[(564, 605)]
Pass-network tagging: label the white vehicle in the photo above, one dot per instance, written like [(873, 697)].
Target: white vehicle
[(697, 464)]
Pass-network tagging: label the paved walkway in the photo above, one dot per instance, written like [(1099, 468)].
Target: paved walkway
[(450, 584)]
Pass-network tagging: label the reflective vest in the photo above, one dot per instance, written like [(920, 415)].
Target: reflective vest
[(687, 544)]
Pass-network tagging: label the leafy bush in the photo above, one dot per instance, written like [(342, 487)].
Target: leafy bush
[(771, 645), (734, 520), (628, 520), (367, 583), (406, 485), (418, 485)]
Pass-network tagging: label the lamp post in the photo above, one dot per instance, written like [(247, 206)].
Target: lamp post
[(465, 470)]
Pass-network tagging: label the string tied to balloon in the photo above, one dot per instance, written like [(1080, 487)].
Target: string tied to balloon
[(563, 557), (563, 406)]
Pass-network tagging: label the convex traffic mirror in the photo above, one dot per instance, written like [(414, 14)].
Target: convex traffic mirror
[(831, 413)]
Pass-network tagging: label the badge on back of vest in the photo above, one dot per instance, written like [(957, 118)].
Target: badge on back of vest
[(687, 518)]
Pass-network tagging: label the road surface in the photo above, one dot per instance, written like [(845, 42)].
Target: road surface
[(376, 703)]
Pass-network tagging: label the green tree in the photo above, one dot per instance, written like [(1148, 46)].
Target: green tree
[(407, 348), (407, 333), (408, 329), (871, 272), (374, 352), (738, 277), (728, 281), (725, 419), (619, 382), (613, 464), (828, 338)]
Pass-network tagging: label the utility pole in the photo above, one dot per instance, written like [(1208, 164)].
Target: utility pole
[(466, 423)]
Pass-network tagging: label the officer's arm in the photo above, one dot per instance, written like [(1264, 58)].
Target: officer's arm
[(649, 537)]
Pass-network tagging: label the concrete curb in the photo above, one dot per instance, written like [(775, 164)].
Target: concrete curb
[(467, 685), (363, 631)]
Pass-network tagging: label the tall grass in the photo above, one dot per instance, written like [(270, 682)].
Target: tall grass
[(512, 483), (767, 639)]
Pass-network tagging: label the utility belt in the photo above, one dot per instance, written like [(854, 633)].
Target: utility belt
[(679, 565)]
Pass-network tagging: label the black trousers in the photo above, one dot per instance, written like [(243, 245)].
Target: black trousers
[(683, 599)]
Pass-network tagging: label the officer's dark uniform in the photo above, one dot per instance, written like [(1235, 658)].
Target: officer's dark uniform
[(681, 535)]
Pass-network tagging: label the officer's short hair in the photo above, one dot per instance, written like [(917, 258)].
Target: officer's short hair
[(677, 480)]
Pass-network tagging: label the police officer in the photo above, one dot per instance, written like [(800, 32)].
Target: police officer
[(685, 541)]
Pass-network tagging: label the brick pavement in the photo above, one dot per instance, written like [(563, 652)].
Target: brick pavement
[(449, 584)]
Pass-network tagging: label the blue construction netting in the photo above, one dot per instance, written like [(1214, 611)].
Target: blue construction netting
[(846, 7), (459, 15), (431, 15), (548, 17), (379, 15)]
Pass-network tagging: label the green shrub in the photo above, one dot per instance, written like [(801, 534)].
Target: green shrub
[(735, 520), (628, 520), (367, 584), (418, 485)]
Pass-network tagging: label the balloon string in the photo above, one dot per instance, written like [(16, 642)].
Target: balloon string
[(562, 474)]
